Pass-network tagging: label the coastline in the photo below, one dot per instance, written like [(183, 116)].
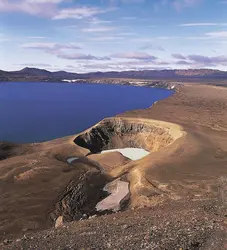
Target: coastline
[(131, 82), (129, 97), (170, 85)]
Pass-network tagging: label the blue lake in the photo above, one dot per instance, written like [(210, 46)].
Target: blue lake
[(35, 112)]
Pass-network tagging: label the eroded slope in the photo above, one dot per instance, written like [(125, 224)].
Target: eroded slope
[(151, 135)]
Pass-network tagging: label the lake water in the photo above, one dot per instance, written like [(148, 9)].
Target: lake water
[(35, 112)]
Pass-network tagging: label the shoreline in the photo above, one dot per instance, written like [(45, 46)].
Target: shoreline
[(112, 112), (162, 84)]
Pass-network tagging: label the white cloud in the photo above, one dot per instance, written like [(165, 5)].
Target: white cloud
[(151, 46), (50, 46), (126, 1), (167, 37), (142, 39), (36, 37), (50, 8), (180, 4), (125, 34), (179, 56), (202, 24), (44, 8), (63, 51), (197, 38), (98, 29), (124, 65), (38, 45), (45, 1), (106, 38), (34, 65), (134, 55), (4, 39), (95, 20), (129, 18), (80, 56), (79, 13), (218, 34), (200, 60), (197, 24)]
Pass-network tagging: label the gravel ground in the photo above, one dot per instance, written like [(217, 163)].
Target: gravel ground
[(176, 225)]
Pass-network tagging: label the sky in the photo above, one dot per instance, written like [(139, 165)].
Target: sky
[(113, 35)]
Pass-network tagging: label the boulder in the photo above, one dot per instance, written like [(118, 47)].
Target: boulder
[(59, 222)]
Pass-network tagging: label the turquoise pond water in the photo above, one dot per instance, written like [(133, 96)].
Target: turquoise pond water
[(36, 112)]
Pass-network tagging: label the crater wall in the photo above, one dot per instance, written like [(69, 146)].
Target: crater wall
[(120, 132)]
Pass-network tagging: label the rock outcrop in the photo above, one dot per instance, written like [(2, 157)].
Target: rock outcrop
[(59, 222), (112, 133), (8, 150), (80, 196)]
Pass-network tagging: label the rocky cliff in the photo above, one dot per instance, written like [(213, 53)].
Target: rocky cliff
[(119, 132)]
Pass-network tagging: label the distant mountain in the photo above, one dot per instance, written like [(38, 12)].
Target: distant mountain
[(163, 74), (34, 74)]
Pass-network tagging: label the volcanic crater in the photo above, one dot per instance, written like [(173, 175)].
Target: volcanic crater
[(119, 132)]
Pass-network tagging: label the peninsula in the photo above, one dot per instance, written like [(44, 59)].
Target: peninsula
[(177, 193)]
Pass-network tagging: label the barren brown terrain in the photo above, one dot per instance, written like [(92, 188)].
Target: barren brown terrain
[(178, 193)]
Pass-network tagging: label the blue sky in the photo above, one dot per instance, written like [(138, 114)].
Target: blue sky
[(106, 35)]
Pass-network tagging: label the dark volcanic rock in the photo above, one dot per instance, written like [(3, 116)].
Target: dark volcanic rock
[(125, 133), (80, 197), (8, 150)]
